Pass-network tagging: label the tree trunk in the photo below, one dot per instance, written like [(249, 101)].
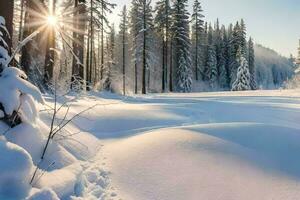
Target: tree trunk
[(135, 78), (29, 49), (144, 49), (102, 42), (171, 69), (124, 61), (78, 42), (196, 58), (163, 81)]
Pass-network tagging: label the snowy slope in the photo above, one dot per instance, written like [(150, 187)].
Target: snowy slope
[(229, 145)]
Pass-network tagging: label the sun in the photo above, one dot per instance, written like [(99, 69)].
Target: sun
[(52, 20)]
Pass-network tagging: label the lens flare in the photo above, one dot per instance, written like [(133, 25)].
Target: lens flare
[(51, 20)]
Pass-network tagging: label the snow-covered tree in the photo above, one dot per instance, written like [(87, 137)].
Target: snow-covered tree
[(180, 29), (197, 33), (7, 13), (141, 28), (251, 62), (17, 94), (223, 73), (184, 74), (123, 34), (78, 42), (110, 59), (243, 76), (4, 48), (235, 45), (242, 37), (212, 67), (162, 25)]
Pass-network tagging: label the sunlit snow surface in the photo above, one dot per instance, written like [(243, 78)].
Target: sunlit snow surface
[(212, 146)]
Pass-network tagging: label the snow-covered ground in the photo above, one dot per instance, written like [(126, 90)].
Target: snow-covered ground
[(226, 146)]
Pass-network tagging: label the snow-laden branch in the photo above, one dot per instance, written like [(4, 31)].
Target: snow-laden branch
[(22, 44)]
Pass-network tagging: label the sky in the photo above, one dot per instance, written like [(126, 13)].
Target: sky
[(272, 23)]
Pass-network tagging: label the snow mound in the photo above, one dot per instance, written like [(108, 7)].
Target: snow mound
[(15, 171), (13, 85), (44, 194)]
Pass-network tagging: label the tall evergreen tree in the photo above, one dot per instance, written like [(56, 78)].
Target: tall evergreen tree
[(110, 58), (212, 67), (162, 22), (217, 42), (182, 44), (197, 32), (242, 81), (7, 12), (251, 62), (4, 47), (211, 60), (242, 37), (141, 26), (78, 41), (123, 34), (223, 77), (235, 45)]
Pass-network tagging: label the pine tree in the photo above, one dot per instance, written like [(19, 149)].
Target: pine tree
[(197, 32), (4, 47), (7, 12), (123, 34), (235, 45), (251, 62), (110, 58), (243, 76), (162, 22), (180, 29), (212, 67), (204, 70), (135, 27), (218, 43), (242, 37), (33, 53), (211, 61), (223, 77), (78, 42), (184, 77), (141, 26)]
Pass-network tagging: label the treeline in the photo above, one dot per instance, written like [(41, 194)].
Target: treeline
[(156, 48)]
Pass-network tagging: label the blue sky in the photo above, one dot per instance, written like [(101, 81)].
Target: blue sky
[(273, 23)]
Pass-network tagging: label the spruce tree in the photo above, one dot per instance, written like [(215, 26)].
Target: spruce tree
[(184, 71), (212, 67), (251, 62), (180, 29), (7, 12), (162, 22), (123, 34), (217, 42), (78, 41), (197, 32), (4, 47), (141, 25), (235, 45), (211, 60), (242, 37), (242, 81), (110, 58), (223, 77)]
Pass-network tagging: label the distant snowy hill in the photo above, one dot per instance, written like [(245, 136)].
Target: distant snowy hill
[(272, 69)]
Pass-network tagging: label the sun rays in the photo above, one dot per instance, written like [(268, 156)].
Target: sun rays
[(63, 22)]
